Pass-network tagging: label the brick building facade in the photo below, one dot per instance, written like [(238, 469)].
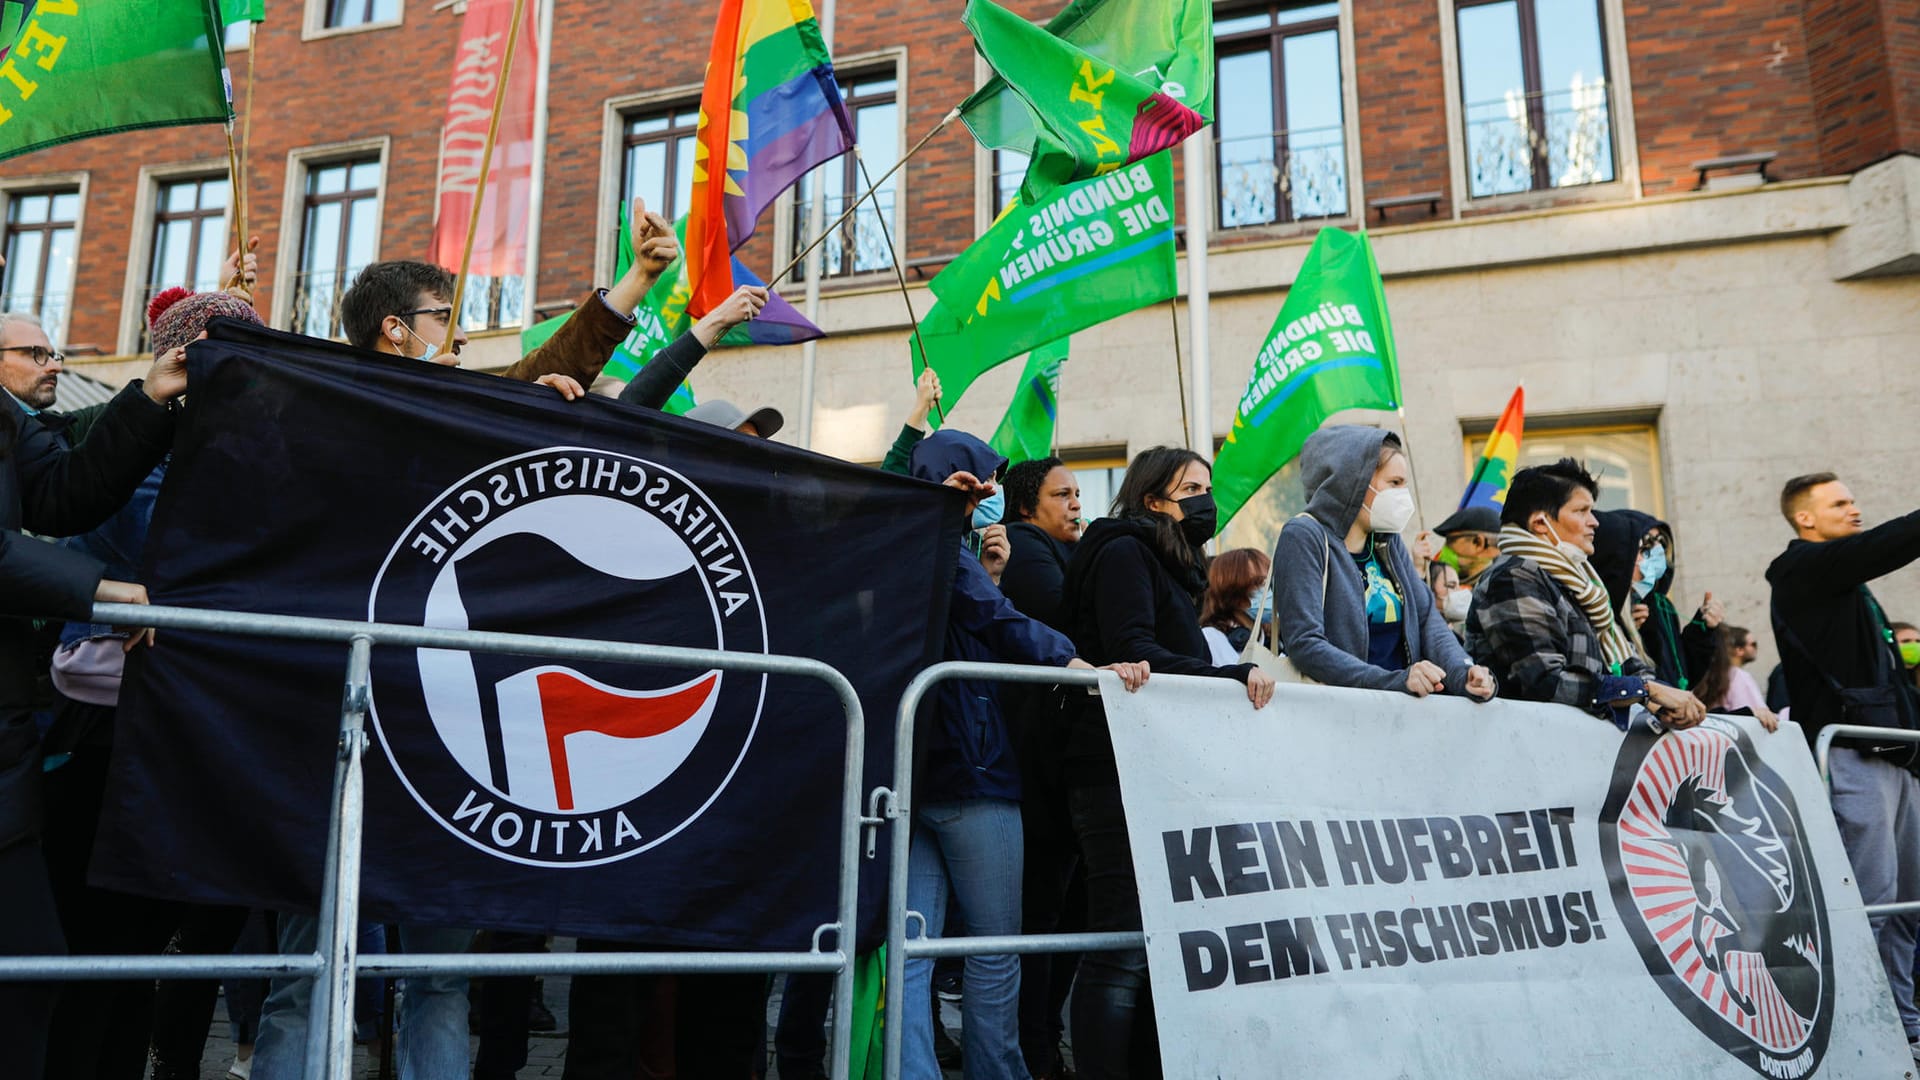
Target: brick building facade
[(1531, 170)]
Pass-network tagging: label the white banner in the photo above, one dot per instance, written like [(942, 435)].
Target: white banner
[(1358, 884)]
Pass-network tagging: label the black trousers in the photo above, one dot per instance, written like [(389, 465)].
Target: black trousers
[(29, 926), (1053, 901), (1114, 1036), (99, 1030), (502, 1004), (717, 1029), (799, 1038), (183, 1008)]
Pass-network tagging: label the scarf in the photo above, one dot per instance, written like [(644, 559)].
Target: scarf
[(1582, 585)]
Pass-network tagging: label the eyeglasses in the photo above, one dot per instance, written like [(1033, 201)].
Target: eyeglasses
[(40, 354), (440, 313)]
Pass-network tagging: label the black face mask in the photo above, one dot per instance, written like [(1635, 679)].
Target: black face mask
[(1201, 517)]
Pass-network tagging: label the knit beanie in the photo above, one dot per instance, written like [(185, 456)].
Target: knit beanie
[(177, 315)]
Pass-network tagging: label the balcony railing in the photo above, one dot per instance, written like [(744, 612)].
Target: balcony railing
[(1282, 176), (50, 308), (1531, 142), (316, 301), (858, 246), (491, 303)]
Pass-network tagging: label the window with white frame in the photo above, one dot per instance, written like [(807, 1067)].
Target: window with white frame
[(657, 157), (1280, 133), (41, 239), (339, 224), (1009, 172), (345, 13), (1534, 93), (189, 238), (859, 244)]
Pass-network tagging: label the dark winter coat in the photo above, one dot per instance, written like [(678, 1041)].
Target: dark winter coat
[(966, 748)]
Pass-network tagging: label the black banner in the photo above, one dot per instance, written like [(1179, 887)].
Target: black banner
[(689, 808)]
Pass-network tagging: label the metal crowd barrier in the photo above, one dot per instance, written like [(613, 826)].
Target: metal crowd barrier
[(896, 805), (1822, 755), (337, 963)]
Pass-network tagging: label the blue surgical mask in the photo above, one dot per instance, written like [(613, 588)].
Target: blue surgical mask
[(1653, 567), (1260, 604), (990, 509), (432, 348)]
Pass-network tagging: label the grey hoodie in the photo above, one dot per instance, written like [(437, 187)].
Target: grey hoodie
[(1327, 640)]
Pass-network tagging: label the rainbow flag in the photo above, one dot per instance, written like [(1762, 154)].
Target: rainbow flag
[(1493, 473), (770, 112)]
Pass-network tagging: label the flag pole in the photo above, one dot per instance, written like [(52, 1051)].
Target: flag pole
[(238, 188), (900, 277), (537, 181), (816, 226), (869, 193), (246, 128), (1179, 374), (486, 166), (1199, 216)]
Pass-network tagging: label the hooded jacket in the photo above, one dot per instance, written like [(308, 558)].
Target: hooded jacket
[(1680, 656), (965, 745), (1125, 602), (1328, 637)]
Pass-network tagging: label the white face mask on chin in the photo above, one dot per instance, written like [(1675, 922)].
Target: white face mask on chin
[(1567, 548), (1459, 601)]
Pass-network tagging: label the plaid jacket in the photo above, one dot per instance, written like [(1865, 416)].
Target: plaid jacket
[(1540, 644)]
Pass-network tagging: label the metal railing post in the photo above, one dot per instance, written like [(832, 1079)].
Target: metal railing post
[(840, 1055), (330, 1020), (900, 811), (1823, 756)]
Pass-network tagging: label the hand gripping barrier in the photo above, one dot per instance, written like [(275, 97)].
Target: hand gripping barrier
[(337, 964), (1823, 754), (896, 805)]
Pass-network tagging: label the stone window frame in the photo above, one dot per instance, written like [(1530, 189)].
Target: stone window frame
[(293, 204), (146, 200), (1626, 149)]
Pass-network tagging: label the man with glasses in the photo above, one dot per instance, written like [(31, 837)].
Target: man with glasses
[(29, 364), (1471, 538)]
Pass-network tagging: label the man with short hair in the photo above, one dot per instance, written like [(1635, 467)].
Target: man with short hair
[(1842, 666), (1542, 620), (30, 366), (1746, 648), (1472, 536)]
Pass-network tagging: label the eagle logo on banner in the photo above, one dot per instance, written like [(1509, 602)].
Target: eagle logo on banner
[(1710, 873), (562, 763)]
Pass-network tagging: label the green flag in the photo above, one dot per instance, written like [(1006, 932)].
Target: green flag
[(233, 11), (72, 70), (1086, 116), (1331, 348), (1085, 254), (661, 317), (1026, 432)]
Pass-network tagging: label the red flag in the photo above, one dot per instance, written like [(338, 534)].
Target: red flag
[(500, 239)]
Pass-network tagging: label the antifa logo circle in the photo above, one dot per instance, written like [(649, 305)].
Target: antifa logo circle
[(1711, 875), (567, 762)]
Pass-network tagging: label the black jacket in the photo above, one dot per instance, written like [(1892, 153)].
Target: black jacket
[(1126, 603), (1036, 575), (1820, 595), (57, 492), (653, 384), (1680, 654)]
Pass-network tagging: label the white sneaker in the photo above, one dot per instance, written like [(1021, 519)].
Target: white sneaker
[(241, 1068)]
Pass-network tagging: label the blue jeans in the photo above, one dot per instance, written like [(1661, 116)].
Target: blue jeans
[(974, 848), (431, 1041)]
